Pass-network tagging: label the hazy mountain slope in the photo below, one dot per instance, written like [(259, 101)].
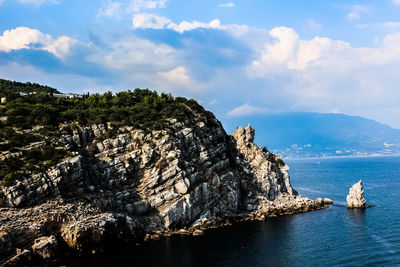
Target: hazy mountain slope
[(305, 134)]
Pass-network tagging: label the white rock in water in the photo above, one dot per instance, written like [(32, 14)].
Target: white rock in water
[(355, 198)]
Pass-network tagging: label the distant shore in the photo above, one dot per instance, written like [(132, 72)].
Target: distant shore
[(346, 156)]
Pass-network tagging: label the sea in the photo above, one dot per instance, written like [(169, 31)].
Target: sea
[(335, 236)]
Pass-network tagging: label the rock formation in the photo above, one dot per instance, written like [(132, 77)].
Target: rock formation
[(139, 185), (355, 198)]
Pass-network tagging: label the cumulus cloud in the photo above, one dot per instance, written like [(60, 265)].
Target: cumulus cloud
[(189, 26), (26, 38), (229, 4), (276, 53), (151, 21), (328, 75), (288, 52), (177, 76), (246, 110)]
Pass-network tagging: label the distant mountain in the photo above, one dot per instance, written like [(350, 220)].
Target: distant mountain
[(307, 134)]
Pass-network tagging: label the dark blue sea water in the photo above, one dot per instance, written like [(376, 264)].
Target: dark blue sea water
[(334, 236)]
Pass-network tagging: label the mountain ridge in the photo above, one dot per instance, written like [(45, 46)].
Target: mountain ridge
[(310, 134)]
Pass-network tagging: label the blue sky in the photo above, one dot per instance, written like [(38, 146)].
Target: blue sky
[(237, 58)]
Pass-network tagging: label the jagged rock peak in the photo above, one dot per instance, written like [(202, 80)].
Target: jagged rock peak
[(269, 174), (356, 198), (245, 135)]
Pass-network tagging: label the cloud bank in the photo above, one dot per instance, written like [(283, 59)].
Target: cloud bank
[(26, 38)]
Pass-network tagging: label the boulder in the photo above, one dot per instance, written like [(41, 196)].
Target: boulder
[(198, 232), (328, 201), (319, 201), (355, 198)]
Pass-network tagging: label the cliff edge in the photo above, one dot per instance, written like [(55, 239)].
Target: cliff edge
[(142, 185)]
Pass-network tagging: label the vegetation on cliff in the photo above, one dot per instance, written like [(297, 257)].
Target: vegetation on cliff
[(40, 117), (9, 88)]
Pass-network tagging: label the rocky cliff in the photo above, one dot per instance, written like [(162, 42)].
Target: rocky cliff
[(139, 185)]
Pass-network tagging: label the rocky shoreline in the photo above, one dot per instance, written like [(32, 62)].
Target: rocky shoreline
[(49, 248), (291, 206), (72, 243), (141, 186)]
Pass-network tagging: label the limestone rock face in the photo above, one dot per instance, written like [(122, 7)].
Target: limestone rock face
[(355, 198), (138, 184)]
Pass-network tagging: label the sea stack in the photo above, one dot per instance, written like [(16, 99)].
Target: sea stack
[(356, 198)]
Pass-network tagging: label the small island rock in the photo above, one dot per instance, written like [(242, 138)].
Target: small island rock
[(355, 198)]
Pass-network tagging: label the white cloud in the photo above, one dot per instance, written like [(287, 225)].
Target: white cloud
[(356, 11), (136, 55), (396, 2), (26, 38), (229, 4), (276, 54), (316, 52), (287, 52), (245, 110), (353, 15), (118, 9), (138, 5), (151, 21), (322, 74), (189, 26), (111, 10), (392, 25), (178, 76)]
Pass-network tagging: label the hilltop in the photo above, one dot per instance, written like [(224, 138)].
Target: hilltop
[(8, 88), (41, 119)]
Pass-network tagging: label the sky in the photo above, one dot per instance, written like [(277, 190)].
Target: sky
[(237, 58)]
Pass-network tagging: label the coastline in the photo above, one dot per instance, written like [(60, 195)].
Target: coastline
[(296, 206), (345, 157)]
